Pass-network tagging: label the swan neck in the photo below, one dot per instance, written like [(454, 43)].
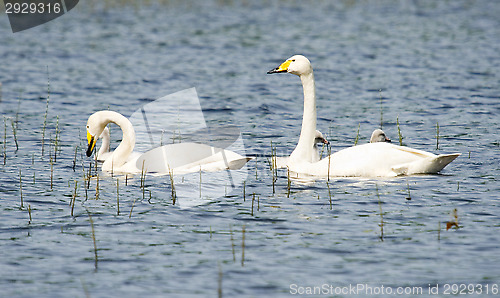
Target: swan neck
[(305, 148), (123, 151), (105, 142)]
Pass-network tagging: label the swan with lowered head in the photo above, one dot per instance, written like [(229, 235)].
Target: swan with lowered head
[(179, 158), (378, 135), (379, 159), (122, 159)]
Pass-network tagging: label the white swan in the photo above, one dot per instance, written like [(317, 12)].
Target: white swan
[(121, 159), (175, 158), (378, 135), (378, 159), (318, 139)]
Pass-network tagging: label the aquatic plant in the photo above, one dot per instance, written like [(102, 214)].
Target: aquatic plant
[(93, 239), (400, 136), (437, 135), (381, 214), (73, 197), (46, 110), (381, 109), (357, 135), (21, 189), (243, 246), (232, 242), (117, 196)]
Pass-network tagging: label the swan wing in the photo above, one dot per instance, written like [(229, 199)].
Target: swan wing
[(429, 165)]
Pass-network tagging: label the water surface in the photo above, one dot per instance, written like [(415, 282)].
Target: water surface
[(431, 63)]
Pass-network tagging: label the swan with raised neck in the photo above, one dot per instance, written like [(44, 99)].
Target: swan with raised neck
[(379, 159), (300, 66)]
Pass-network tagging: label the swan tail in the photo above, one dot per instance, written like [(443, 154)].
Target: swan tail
[(430, 165)]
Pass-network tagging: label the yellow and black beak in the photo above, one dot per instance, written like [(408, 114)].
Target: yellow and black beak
[(91, 143), (282, 68)]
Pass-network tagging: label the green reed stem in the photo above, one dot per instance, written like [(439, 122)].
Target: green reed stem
[(329, 159), (244, 190), (273, 167), (437, 135), (93, 239), (172, 186), (51, 173), (381, 109), (243, 246), (74, 160), (21, 189), (5, 141), (14, 132), (408, 186), (400, 136), (219, 282), (329, 195), (29, 212), (132, 208), (56, 139), (73, 199), (232, 242), (46, 110), (253, 200), (288, 183), (117, 196), (97, 187), (357, 135), (381, 215)]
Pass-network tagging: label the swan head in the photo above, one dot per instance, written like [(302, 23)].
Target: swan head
[(297, 65), (319, 138), (95, 127), (379, 136)]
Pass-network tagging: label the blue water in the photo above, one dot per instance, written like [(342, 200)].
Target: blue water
[(432, 63)]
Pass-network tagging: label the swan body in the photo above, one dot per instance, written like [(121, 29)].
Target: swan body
[(201, 158), (175, 158), (378, 135), (379, 159)]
